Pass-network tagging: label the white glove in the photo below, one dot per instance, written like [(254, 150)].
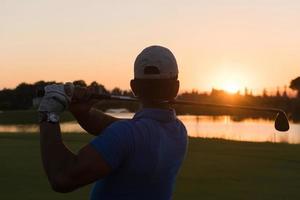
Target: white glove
[(57, 98)]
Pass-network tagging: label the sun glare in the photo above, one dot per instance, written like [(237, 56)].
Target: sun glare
[(231, 87), (230, 77)]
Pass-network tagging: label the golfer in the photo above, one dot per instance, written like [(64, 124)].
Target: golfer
[(131, 159)]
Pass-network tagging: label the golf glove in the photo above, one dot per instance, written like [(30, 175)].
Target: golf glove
[(57, 98)]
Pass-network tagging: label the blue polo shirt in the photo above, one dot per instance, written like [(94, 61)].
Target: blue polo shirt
[(145, 154)]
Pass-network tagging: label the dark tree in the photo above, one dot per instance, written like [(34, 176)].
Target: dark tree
[(23, 95), (278, 92), (94, 84), (265, 92), (295, 85), (99, 87), (6, 96), (116, 91), (80, 83)]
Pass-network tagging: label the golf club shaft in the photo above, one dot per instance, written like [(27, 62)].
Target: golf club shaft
[(190, 103), (102, 96)]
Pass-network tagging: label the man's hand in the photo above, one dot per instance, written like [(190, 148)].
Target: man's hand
[(57, 98)]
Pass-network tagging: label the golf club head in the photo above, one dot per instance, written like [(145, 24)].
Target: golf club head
[(281, 122)]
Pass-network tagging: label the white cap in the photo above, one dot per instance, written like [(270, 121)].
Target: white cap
[(155, 62)]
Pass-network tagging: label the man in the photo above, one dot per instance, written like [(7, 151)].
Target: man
[(128, 159)]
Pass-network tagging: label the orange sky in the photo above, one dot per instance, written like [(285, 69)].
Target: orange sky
[(217, 43)]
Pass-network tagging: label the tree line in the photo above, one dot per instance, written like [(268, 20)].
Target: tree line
[(21, 98)]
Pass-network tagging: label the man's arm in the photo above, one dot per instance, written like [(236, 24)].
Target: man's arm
[(92, 120), (65, 170)]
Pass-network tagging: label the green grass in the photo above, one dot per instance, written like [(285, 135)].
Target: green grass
[(213, 169)]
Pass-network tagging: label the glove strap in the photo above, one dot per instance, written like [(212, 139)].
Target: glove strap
[(48, 117)]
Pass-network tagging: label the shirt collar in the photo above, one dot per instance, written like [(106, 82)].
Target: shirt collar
[(156, 114)]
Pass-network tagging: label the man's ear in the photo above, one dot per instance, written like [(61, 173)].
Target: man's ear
[(134, 87)]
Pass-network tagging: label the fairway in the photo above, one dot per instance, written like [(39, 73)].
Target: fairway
[(213, 169)]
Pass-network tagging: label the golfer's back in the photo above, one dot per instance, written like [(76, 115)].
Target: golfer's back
[(145, 154)]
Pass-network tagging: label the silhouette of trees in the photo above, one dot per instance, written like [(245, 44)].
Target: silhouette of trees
[(80, 83), (99, 87), (246, 92), (23, 97), (20, 97), (116, 91), (278, 92), (295, 85), (265, 92), (285, 92)]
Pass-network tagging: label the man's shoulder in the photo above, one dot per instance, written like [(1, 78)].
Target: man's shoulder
[(128, 123), (180, 123), (123, 124)]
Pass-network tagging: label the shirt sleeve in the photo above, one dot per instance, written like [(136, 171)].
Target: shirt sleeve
[(115, 143)]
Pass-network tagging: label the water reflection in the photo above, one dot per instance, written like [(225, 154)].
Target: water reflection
[(258, 130)]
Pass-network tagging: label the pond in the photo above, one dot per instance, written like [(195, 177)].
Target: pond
[(255, 130)]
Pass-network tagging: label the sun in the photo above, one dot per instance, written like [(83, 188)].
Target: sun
[(230, 77), (231, 87)]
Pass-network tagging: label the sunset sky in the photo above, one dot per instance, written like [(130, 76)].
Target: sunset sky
[(226, 44)]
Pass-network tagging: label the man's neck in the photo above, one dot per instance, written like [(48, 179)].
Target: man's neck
[(157, 105)]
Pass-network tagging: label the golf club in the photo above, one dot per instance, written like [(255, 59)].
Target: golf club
[(281, 121)]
